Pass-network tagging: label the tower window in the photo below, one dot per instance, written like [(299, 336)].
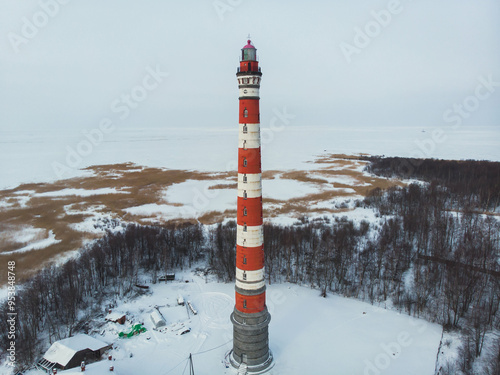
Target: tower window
[(244, 303), (244, 259), (245, 245), (245, 162), (244, 145), (244, 194), (245, 211), (244, 276), (245, 178), (245, 227), (245, 112), (245, 129)]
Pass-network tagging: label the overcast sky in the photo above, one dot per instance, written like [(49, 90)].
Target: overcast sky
[(428, 55)]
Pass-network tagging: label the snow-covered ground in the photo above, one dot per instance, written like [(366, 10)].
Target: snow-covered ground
[(284, 189), (36, 245), (308, 334), (198, 197), (25, 234)]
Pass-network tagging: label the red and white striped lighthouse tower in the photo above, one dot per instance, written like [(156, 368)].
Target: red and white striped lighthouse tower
[(250, 317)]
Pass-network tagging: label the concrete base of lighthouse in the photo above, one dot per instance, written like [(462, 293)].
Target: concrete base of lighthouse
[(251, 342)]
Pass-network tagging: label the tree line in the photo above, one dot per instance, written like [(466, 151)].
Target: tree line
[(472, 183)]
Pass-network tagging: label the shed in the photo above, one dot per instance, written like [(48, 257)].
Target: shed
[(157, 319), (70, 352), (167, 277), (116, 317)]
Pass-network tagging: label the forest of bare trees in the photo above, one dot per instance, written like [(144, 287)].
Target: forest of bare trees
[(431, 253), (475, 184), (60, 301)]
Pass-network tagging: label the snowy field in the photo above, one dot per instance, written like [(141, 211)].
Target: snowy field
[(32, 157), (308, 334)]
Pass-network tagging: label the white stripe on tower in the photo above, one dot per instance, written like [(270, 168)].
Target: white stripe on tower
[(252, 237)]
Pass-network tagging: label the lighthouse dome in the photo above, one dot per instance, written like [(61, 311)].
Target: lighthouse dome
[(249, 44), (249, 52)]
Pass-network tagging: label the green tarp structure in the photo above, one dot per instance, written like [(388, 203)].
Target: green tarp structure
[(137, 329)]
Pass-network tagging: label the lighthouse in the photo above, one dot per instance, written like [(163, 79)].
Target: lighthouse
[(250, 317)]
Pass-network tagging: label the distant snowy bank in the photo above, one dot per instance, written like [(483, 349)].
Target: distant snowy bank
[(39, 156)]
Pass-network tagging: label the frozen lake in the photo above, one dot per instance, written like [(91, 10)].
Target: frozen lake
[(39, 156)]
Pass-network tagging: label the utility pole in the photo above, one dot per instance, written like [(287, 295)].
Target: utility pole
[(191, 366)]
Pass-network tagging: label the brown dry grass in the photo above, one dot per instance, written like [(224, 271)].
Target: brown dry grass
[(339, 158), (213, 217), (270, 175), (147, 186), (223, 186), (302, 176), (143, 186)]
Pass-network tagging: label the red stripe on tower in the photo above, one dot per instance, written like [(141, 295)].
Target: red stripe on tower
[(249, 211), (249, 160), (249, 258), (250, 317), (249, 111), (251, 304)]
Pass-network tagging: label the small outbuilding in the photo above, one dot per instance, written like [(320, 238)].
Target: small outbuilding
[(193, 310), (157, 319), (167, 277), (116, 317), (70, 352)]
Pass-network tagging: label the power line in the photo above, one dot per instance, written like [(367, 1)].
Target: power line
[(217, 347), (190, 360), (185, 367), (180, 363)]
